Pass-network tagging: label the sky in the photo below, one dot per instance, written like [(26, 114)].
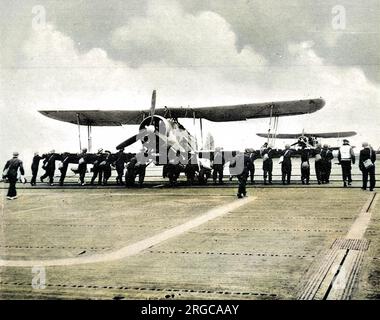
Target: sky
[(112, 54)]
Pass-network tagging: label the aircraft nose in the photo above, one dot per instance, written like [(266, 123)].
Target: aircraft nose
[(150, 129)]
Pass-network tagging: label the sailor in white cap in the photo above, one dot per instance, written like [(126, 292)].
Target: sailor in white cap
[(10, 172), (346, 155)]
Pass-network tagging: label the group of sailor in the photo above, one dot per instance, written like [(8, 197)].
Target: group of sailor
[(104, 161), (323, 165)]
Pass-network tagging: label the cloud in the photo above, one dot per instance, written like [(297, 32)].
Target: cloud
[(167, 34), (269, 26)]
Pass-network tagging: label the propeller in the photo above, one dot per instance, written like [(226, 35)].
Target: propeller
[(149, 128), (152, 107), (127, 142)]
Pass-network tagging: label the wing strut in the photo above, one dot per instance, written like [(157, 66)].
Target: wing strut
[(79, 137), (270, 123), (89, 138), (200, 123), (194, 124), (272, 136)]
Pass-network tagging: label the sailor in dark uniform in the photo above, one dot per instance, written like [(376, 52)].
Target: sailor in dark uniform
[(130, 174), (66, 157), (318, 164), (120, 165), (326, 157), (10, 172), (305, 165), (286, 165), (267, 154), (82, 166), (251, 166), (239, 168), (367, 161), (49, 166), (105, 167), (141, 170), (96, 169), (35, 165), (218, 166), (172, 169), (191, 168), (243, 176)]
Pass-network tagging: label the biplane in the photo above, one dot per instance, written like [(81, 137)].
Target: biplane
[(165, 141)]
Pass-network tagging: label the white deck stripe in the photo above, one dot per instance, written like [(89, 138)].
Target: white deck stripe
[(360, 225), (137, 247), (31, 209), (342, 284)]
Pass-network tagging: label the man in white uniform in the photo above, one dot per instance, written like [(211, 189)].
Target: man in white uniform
[(346, 155)]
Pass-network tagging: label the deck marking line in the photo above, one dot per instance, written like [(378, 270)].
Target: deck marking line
[(137, 247), (31, 209), (354, 246)]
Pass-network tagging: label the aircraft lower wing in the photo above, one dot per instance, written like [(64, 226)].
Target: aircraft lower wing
[(325, 135), (217, 114)]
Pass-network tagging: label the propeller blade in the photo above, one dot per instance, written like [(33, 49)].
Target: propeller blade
[(153, 106), (127, 142)]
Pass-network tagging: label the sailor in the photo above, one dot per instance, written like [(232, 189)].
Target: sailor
[(35, 165), (82, 166), (64, 166), (120, 164), (130, 174), (286, 165), (311, 141), (326, 157), (96, 169), (305, 165), (10, 172), (243, 160), (218, 166), (263, 148), (137, 166), (318, 164), (367, 160), (141, 170), (49, 166), (105, 167), (191, 168), (231, 168), (267, 154), (346, 156), (172, 169), (251, 165)]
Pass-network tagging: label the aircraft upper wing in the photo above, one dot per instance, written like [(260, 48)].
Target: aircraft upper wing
[(325, 135), (217, 114)]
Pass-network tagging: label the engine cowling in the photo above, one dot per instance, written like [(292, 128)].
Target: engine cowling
[(160, 135)]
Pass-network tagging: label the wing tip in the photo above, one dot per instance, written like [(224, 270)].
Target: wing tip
[(262, 135), (318, 104)]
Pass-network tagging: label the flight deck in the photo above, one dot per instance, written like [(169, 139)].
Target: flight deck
[(190, 242)]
